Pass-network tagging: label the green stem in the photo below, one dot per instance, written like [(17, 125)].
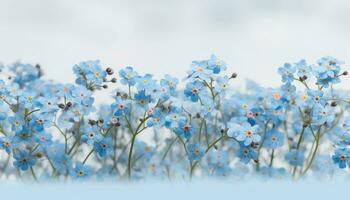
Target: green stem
[(33, 173), (206, 133), (261, 145), (298, 146), (272, 157), (193, 166), (71, 149), (317, 142), (87, 157), (200, 131), (130, 155), (168, 149)]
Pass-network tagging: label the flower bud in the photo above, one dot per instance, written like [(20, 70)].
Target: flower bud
[(109, 71), (234, 75), (92, 122)]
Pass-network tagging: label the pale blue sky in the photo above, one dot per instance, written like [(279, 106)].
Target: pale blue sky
[(160, 36)]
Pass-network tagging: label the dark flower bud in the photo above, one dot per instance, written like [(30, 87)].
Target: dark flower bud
[(345, 73), (303, 78), (109, 71), (61, 105), (100, 121), (125, 96), (69, 104), (40, 71), (118, 94), (334, 104), (39, 155), (234, 75), (92, 122), (198, 115), (105, 86), (113, 80)]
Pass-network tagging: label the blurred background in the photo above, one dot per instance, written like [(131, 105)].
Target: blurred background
[(158, 36)]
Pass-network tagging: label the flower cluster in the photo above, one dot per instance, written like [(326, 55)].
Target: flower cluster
[(167, 129)]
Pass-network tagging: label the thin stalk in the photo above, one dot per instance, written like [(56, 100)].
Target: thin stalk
[(168, 149), (33, 174), (87, 157), (317, 142), (272, 157)]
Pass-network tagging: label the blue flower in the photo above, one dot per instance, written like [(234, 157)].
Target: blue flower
[(24, 160), (128, 76), (193, 89), (121, 106), (91, 134), (81, 171), (244, 132), (142, 100), (104, 147), (216, 64), (185, 129), (81, 95), (143, 150), (322, 114), (295, 157), (17, 123), (303, 69), (315, 97), (8, 143), (173, 118), (25, 135), (342, 157), (90, 74), (195, 152), (287, 72), (218, 158), (199, 70), (208, 109), (44, 138), (41, 121), (222, 84), (327, 71), (273, 139), (47, 104), (24, 73), (27, 99), (169, 81), (340, 137), (157, 119), (62, 162), (246, 153), (146, 83)]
